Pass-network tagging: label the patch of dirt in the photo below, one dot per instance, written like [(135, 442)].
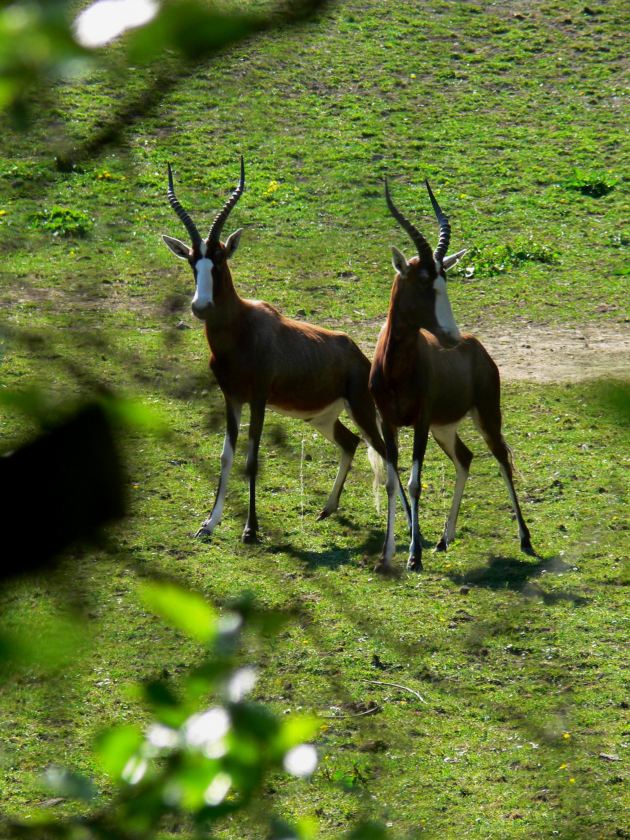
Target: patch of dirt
[(538, 352), (523, 350)]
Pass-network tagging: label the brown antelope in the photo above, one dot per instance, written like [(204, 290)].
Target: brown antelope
[(429, 376), (262, 358)]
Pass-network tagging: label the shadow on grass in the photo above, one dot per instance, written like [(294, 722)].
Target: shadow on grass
[(333, 557), (517, 575)]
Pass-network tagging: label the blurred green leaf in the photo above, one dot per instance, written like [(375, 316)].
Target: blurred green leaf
[(137, 414), (305, 829), (31, 401), (36, 45), (255, 720), (193, 28), (368, 831), (186, 611), (295, 730), (615, 396), (115, 747), (60, 645)]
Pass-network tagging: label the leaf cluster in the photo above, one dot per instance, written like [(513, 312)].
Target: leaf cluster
[(208, 747), (593, 184), (63, 221), (487, 261)]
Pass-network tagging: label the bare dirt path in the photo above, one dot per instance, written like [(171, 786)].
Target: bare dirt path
[(523, 350), (559, 354), (541, 353)]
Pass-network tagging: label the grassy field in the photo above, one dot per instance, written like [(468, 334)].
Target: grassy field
[(514, 111)]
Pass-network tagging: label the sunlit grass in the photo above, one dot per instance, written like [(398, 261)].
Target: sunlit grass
[(519, 661)]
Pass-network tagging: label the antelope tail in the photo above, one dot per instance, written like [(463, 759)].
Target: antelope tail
[(380, 475)]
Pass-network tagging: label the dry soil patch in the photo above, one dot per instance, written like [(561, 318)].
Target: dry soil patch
[(542, 353)]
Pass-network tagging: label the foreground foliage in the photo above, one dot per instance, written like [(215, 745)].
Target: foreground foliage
[(511, 718)]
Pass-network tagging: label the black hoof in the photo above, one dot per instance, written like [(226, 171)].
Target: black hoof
[(527, 548), (414, 564), (323, 515), (203, 534), (250, 536), (442, 545)]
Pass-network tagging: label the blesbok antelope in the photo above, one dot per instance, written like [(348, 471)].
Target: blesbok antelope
[(429, 376), (262, 358)]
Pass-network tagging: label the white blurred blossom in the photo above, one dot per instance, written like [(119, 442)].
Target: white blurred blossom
[(301, 761), (230, 622), (207, 731), (162, 737), (217, 789), (134, 770), (241, 683), (105, 20)]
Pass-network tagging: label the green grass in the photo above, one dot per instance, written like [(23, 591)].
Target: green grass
[(520, 661)]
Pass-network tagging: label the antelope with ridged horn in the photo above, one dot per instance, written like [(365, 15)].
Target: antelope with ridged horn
[(262, 358), (427, 375)]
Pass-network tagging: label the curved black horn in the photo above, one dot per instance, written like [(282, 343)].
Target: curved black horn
[(217, 225), (424, 249), (445, 228), (183, 215)]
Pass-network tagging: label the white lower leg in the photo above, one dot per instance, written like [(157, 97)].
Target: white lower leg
[(460, 483), (344, 466), (414, 489), (389, 549), (227, 459)]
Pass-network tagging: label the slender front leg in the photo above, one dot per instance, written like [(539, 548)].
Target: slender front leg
[(421, 433), (391, 459), (256, 421), (233, 418), (364, 414)]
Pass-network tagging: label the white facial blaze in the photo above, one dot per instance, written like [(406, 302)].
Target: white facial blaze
[(204, 290), (443, 311)]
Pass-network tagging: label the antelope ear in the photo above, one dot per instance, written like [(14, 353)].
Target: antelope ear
[(453, 259), (231, 243), (179, 248), (399, 261)]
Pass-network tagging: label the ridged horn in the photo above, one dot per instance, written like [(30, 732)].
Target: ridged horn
[(221, 218), (424, 249), (445, 228), (194, 234)]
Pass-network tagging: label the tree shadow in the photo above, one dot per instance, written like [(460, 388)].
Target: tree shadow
[(517, 575)]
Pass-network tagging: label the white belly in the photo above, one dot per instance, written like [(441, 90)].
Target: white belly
[(331, 411)]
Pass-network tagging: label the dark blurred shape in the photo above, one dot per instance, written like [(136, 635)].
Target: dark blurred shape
[(59, 489), (615, 398)]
